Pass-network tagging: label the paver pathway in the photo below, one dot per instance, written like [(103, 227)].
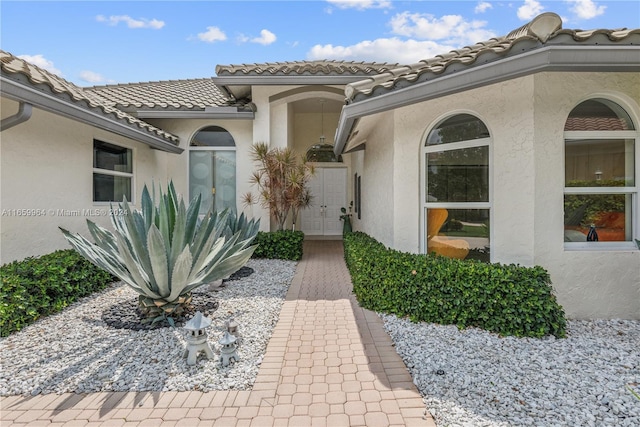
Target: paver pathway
[(329, 363)]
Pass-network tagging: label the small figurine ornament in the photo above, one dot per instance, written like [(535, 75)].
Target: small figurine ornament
[(197, 338), (593, 235), (228, 350), (232, 326)]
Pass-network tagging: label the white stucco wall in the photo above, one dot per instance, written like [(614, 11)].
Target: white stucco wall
[(307, 130), (185, 129), (47, 165), (278, 124), (525, 118), (375, 166), (506, 109), (590, 284)]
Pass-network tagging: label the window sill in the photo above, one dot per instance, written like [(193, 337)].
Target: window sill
[(601, 247)]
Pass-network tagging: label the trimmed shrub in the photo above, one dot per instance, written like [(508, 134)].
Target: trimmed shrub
[(36, 287), (505, 299), (283, 244)]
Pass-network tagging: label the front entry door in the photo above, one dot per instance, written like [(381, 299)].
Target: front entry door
[(329, 190), (212, 174)]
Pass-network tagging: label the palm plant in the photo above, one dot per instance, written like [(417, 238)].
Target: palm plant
[(164, 251), (282, 182)]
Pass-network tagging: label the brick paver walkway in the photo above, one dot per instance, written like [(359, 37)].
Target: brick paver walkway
[(329, 363)]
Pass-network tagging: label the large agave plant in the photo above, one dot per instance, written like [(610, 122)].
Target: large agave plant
[(164, 251)]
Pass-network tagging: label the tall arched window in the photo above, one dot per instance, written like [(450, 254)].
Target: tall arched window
[(455, 194), (212, 169), (600, 189)]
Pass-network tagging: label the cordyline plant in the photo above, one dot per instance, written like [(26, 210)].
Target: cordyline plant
[(282, 182), (164, 251)]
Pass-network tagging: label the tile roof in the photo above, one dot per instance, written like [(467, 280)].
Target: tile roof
[(595, 123), (13, 67), (170, 94), (544, 29), (305, 68)]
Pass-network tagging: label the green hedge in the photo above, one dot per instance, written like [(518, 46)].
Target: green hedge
[(285, 244), (506, 299), (36, 287)]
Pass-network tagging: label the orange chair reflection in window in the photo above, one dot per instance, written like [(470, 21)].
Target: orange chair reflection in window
[(443, 245)]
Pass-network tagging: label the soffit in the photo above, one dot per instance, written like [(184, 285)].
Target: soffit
[(27, 74), (544, 30)]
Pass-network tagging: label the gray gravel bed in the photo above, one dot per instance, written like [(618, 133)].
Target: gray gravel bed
[(75, 351), (475, 378)]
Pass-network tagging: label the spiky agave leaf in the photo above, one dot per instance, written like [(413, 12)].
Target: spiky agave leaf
[(164, 251)]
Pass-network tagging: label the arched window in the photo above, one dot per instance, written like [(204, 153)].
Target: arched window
[(601, 190), (456, 205), (212, 169)]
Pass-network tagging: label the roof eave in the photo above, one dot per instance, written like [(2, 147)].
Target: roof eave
[(223, 113), (550, 58), (70, 109)]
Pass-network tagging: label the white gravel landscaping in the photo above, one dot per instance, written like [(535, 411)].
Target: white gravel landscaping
[(75, 351), (475, 378), (469, 378)]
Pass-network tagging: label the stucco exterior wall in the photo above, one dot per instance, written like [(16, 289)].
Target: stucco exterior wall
[(590, 284), (308, 129), (278, 124), (525, 118), (506, 110), (376, 167), (178, 165), (47, 165)]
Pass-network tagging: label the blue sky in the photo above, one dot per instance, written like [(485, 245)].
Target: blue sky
[(104, 42)]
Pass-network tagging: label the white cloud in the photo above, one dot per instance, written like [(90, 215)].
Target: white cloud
[(91, 77), (361, 4), (453, 29), (419, 36), (586, 9), (483, 6), (213, 34), (42, 62), (154, 24), (266, 38), (529, 10), (380, 50)]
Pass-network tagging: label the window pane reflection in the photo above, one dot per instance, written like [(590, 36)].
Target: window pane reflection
[(591, 163), (463, 127), (609, 214), (109, 188), (458, 233), (111, 157), (458, 175)]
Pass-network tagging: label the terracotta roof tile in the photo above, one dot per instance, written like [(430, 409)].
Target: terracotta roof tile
[(545, 28), (13, 66), (595, 123)]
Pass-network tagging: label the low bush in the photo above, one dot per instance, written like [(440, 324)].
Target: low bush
[(283, 244), (506, 299), (36, 287)]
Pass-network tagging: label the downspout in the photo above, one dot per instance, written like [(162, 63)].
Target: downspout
[(23, 114)]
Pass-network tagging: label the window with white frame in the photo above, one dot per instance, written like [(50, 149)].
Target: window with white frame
[(601, 186), (112, 172), (455, 195)]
